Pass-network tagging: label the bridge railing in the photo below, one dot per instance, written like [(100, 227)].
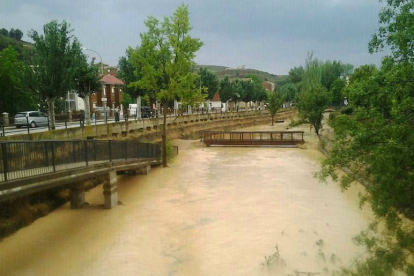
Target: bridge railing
[(253, 137), (20, 159)]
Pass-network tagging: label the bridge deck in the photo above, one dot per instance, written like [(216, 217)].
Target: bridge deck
[(256, 138)]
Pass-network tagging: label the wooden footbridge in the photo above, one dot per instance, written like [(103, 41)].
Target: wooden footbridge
[(253, 138)]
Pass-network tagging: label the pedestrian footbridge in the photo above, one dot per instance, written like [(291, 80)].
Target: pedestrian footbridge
[(253, 138), (27, 167)]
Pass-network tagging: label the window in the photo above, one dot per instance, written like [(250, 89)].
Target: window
[(94, 105), (33, 114), (104, 91), (113, 90)]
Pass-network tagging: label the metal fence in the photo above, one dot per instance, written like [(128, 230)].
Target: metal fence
[(20, 159)]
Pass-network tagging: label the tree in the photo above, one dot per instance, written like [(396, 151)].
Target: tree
[(86, 80), (237, 92), (288, 92), (313, 97), (130, 74), (296, 74), (226, 90), (210, 81), (4, 32), (53, 61), (336, 91), (376, 142), (15, 92), (274, 102), (395, 30), (16, 34), (331, 71), (165, 60)]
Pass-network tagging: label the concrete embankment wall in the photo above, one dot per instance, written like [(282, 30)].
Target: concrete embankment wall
[(151, 127)]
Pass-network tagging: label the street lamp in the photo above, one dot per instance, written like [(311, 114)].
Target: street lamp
[(102, 73), (87, 49)]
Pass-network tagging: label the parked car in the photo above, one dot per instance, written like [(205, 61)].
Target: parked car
[(146, 112), (33, 118)]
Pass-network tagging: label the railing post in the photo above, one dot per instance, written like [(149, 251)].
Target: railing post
[(137, 144), (27, 122), (46, 154), (4, 153), (94, 148), (74, 152), (110, 151), (126, 147), (85, 145), (53, 156)]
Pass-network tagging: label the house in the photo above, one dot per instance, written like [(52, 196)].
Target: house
[(216, 104), (109, 97)]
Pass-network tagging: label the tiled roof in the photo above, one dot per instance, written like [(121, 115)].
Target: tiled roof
[(109, 79), (216, 97)]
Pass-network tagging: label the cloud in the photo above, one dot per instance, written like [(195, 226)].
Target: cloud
[(270, 35)]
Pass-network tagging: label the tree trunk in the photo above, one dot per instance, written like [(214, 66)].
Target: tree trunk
[(87, 110), (273, 119), (51, 107), (164, 141), (139, 107)]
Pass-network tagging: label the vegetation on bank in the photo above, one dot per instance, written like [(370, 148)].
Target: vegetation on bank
[(374, 139)]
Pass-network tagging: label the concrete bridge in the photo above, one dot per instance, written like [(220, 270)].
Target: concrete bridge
[(27, 167)]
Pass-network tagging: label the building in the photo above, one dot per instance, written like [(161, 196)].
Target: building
[(110, 96), (269, 86)]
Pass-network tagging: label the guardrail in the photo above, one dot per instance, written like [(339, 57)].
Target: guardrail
[(20, 159)]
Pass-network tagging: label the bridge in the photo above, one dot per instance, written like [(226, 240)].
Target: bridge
[(27, 167), (252, 138)]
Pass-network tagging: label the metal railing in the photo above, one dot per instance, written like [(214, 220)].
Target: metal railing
[(253, 137), (20, 159)]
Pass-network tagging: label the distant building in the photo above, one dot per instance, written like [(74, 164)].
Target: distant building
[(268, 86)]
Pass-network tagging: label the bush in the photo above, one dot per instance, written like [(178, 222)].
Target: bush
[(348, 110)]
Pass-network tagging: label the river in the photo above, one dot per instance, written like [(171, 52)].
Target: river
[(213, 211)]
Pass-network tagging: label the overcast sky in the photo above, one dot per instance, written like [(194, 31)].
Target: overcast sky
[(268, 35)]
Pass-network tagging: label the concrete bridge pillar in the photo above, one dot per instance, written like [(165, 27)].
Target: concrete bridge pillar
[(111, 191), (77, 197), (144, 170)]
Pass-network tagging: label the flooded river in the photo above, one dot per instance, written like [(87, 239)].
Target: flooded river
[(214, 211)]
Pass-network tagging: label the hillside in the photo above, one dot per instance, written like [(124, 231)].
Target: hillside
[(25, 49), (240, 73)]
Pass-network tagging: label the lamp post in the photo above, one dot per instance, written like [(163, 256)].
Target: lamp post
[(87, 49), (102, 74)]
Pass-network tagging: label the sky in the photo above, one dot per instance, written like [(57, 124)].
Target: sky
[(268, 35)]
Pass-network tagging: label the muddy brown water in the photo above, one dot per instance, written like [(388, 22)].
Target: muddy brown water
[(213, 211)]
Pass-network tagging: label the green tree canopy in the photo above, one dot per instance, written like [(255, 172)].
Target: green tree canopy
[(15, 91), (375, 143), (274, 102), (209, 80), (54, 56), (226, 90), (313, 97), (164, 62)]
